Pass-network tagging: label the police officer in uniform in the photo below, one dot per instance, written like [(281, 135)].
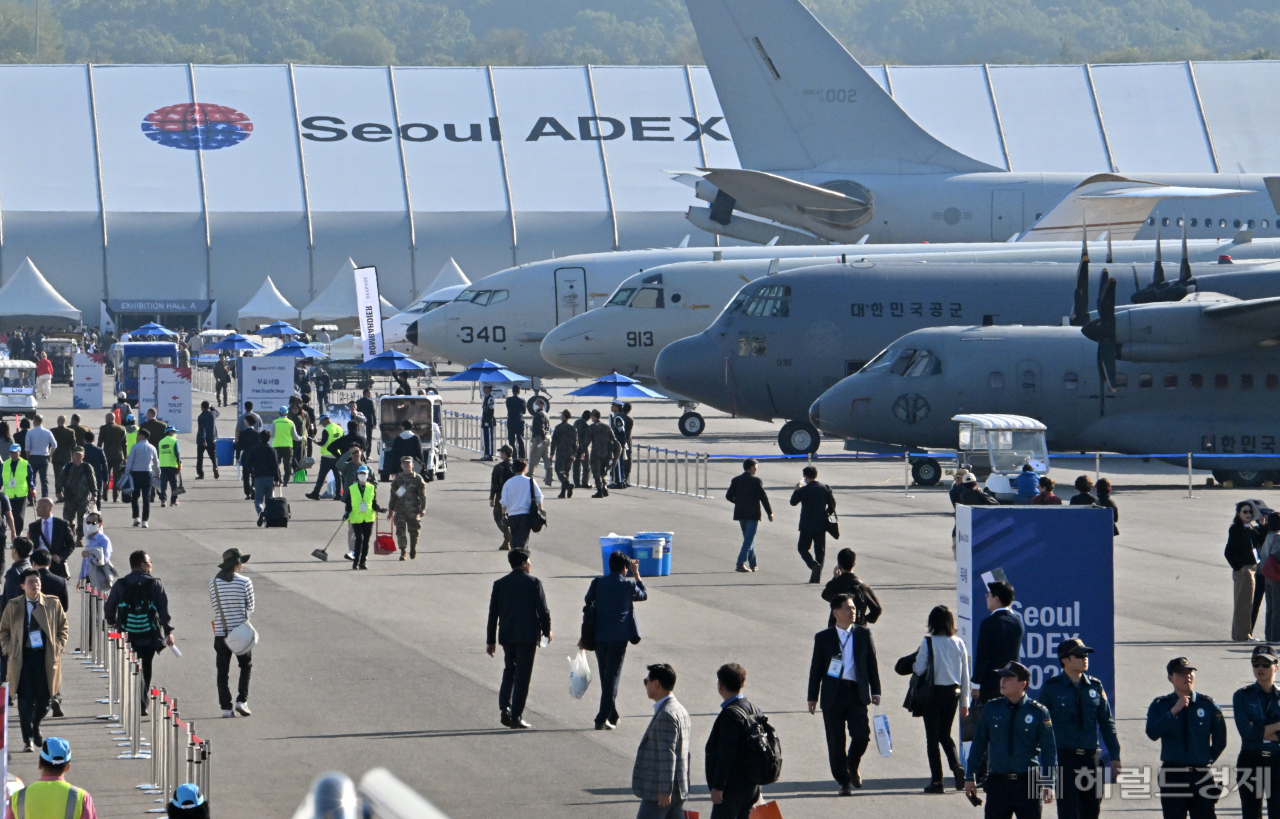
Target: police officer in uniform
[(487, 423), (628, 423), (515, 423), (619, 426), (502, 472), (1192, 734), (330, 433), (564, 450), (1079, 708), (581, 466), (1015, 733), (1257, 712), (602, 449)]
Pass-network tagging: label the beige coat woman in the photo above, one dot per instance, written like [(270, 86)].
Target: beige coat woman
[(52, 621)]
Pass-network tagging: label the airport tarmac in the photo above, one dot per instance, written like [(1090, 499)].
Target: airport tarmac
[(387, 667)]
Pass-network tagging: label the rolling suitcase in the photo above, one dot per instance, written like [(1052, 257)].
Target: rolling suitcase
[(276, 510)]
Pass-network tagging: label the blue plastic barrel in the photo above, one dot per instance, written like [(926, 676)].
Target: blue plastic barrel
[(226, 449), (669, 537), (647, 551), (614, 543)]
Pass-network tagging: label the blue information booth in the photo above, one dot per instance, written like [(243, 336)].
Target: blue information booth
[(1059, 561)]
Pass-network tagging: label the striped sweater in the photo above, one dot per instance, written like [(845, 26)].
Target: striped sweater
[(237, 603)]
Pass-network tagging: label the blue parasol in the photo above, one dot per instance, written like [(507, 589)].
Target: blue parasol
[(488, 371), (296, 349), (235, 342), (616, 386), (391, 360), (152, 329), (279, 328)]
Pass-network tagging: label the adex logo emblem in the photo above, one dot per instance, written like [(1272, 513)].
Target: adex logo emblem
[(196, 125)]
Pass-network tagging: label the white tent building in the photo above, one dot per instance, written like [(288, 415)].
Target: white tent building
[(27, 298), (449, 276), (266, 306), (336, 304)]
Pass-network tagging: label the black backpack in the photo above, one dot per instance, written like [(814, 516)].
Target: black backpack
[(136, 612), (763, 753)]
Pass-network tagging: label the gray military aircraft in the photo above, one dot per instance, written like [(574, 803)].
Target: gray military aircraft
[(824, 149), (787, 338), (1196, 375)]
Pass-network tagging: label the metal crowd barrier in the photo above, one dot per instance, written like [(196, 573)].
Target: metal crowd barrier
[(669, 470), (463, 431), (202, 379), (178, 755)]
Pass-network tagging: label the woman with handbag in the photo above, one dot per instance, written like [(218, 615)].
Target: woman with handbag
[(1243, 539), (95, 562), (231, 594), (522, 501), (942, 663)]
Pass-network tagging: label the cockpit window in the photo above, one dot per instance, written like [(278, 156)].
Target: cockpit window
[(773, 301), (648, 297), (498, 295), (925, 363), (432, 305), (894, 361), (656, 278), (736, 303), (621, 297), (417, 307), (479, 297)]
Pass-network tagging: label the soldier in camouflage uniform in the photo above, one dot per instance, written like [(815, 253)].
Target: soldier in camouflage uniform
[(406, 505), (79, 491), (564, 450)]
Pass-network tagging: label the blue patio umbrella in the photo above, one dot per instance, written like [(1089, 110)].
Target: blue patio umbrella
[(280, 328), (391, 360), (296, 349), (235, 342), (488, 372), (616, 386), (152, 329)]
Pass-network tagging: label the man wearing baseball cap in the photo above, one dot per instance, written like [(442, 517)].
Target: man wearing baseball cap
[(1016, 734), (1079, 708), (1192, 734), (330, 433), (283, 436), (52, 796), (1257, 712)]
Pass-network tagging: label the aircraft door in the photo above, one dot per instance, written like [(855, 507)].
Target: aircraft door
[(1006, 214), (1028, 382), (571, 293)]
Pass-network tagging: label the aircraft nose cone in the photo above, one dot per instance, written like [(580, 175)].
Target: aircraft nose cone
[(815, 413), (573, 346), (694, 367), (833, 412), (428, 333)]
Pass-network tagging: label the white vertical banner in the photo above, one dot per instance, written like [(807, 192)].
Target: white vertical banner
[(87, 379), (146, 390), (173, 397), (369, 310)]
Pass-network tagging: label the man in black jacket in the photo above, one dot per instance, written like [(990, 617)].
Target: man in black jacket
[(844, 677), (262, 468), (816, 503), (206, 439), (846, 582), (733, 794), (406, 443), (502, 472), (54, 534), (50, 584), (746, 493), (370, 412), (139, 605), (518, 619), (246, 439), (999, 643), (971, 495)]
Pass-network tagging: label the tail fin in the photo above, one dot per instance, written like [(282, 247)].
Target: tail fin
[(795, 99)]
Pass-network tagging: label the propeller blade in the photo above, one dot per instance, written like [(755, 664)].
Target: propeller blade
[(1184, 267), (1157, 272), (1080, 310), (1105, 333), (1110, 259)]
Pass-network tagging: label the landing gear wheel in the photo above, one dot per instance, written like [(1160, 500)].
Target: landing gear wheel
[(926, 472), (1247, 478), (1221, 475), (799, 438), (691, 425)]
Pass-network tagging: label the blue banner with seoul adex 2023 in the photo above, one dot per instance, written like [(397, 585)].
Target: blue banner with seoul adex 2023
[(1059, 561)]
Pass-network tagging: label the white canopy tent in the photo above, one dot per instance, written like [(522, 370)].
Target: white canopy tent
[(449, 276), (266, 306), (336, 304), (28, 298)]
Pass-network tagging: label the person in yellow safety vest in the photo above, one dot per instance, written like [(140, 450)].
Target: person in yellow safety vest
[(329, 453), (19, 481), (284, 433), (52, 796), (130, 434), (362, 508), (170, 464)]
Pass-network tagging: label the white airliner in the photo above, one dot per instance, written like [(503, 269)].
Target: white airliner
[(444, 288)]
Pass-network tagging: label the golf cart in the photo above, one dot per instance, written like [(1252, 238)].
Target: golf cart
[(995, 447), (426, 413), (61, 349), (18, 387)]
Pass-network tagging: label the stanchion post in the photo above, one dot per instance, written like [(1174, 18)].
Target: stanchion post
[(906, 475), (1097, 467), (1190, 492)]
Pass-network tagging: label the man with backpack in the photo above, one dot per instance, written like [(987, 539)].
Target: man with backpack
[(139, 606), (743, 752)]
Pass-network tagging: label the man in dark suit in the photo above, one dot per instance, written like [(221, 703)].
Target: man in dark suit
[(53, 534), (370, 412), (614, 596), (519, 605), (816, 503), (733, 794), (746, 493), (999, 643), (844, 678)]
